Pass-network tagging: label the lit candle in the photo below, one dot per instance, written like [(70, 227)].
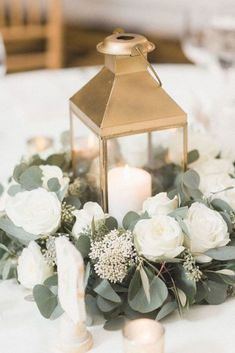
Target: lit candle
[(143, 335), (128, 187), (39, 144)]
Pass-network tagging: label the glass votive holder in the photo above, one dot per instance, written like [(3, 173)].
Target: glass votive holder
[(143, 336), (39, 144)]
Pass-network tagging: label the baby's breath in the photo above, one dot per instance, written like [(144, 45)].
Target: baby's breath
[(113, 255), (192, 270), (67, 215)]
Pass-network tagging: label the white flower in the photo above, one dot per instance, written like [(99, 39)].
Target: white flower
[(52, 171), (216, 183), (207, 147), (206, 227), (84, 217), (158, 238), (37, 211), (214, 166), (32, 268), (160, 204)]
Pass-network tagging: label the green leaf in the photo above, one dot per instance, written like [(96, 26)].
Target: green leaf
[(134, 286), (57, 159), (83, 244), (221, 205), (158, 294), (53, 184), (114, 324), (185, 284), (57, 312), (167, 309), (14, 189), (106, 305), (16, 232), (1, 189), (51, 281), (223, 253), (105, 290), (111, 223), (216, 292), (201, 292), (193, 156), (18, 170), (31, 178), (73, 201), (179, 212), (4, 247), (145, 283), (183, 226), (45, 299), (191, 179), (87, 274), (130, 219), (6, 269)]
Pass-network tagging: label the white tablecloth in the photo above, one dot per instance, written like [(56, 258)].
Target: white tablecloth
[(37, 103)]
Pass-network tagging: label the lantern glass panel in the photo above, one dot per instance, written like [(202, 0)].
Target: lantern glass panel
[(140, 166), (85, 158)]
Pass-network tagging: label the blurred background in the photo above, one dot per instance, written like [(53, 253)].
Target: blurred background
[(64, 33)]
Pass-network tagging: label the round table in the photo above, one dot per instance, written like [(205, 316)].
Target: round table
[(37, 103)]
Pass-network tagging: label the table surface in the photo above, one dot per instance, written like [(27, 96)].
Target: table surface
[(37, 103)]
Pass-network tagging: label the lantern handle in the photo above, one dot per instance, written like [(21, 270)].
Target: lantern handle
[(138, 49)]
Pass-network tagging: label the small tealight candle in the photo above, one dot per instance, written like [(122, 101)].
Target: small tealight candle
[(128, 187), (143, 335), (39, 144)]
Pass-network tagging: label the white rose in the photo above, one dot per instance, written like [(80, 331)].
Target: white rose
[(160, 204), (158, 238), (206, 227), (91, 210), (214, 166), (32, 267), (37, 211), (52, 171), (207, 147)]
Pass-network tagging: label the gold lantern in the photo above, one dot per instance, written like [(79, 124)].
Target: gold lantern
[(124, 102)]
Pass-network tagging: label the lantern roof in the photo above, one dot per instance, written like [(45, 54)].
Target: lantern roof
[(124, 98)]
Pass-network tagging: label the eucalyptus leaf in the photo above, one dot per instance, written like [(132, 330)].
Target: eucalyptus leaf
[(83, 244), (201, 292), (14, 189), (57, 312), (31, 178), (87, 274), (53, 184), (221, 205), (18, 233), (111, 223), (193, 156), (58, 159), (223, 253), (106, 305), (6, 269), (130, 219), (167, 309), (114, 324), (216, 292), (145, 283), (105, 290), (5, 248), (185, 284), (182, 297), (179, 212), (135, 285), (191, 179), (158, 295), (45, 299), (51, 281), (1, 189), (18, 170), (73, 201)]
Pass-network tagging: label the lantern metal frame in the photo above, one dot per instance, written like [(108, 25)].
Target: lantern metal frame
[(123, 99)]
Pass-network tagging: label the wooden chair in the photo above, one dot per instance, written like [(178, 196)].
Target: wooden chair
[(29, 20)]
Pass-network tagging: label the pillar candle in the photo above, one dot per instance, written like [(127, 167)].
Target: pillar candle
[(128, 187)]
